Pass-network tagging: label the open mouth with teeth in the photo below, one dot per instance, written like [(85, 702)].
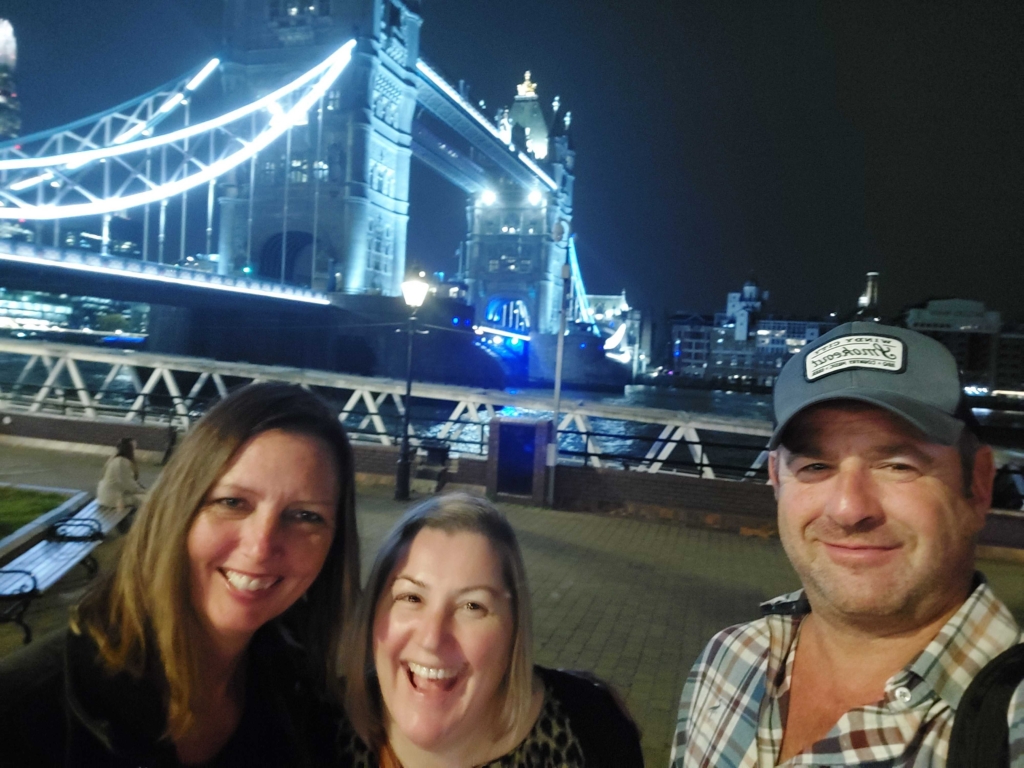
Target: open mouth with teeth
[(423, 678), (243, 582)]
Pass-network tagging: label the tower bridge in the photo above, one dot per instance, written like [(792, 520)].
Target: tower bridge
[(290, 162)]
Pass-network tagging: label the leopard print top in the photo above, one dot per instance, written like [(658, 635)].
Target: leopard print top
[(550, 744)]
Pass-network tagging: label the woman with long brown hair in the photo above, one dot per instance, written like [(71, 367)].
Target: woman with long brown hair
[(215, 641), (120, 487)]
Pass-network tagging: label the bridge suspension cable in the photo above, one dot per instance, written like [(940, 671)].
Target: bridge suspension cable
[(119, 172)]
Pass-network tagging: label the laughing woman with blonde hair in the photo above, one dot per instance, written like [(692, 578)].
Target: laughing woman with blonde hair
[(215, 641)]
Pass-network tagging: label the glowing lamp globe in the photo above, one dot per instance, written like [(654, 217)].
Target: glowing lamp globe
[(414, 292)]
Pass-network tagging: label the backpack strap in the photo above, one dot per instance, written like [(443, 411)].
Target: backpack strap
[(980, 737)]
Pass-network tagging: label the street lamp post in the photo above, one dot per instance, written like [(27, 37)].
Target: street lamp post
[(552, 457), (414, 291)]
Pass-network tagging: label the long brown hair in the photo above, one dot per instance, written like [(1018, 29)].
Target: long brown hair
[(142, 617), (126, 449), (454, 512)]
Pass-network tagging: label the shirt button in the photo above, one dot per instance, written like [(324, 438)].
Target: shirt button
[(902, 694)]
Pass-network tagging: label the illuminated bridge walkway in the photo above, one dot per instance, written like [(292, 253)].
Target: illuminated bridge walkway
[(37, 267), (634, 601)]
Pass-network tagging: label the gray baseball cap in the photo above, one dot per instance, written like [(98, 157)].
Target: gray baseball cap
[(906, 373)]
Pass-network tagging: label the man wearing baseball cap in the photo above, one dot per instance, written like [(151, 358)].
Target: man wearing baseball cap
[(882, 488)]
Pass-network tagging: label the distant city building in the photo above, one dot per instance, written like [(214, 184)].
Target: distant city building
[(989, 355), (28, 313), (10, 109), (1009, 367), (967, 329), (741, 345), (691, 344), (12, 230)]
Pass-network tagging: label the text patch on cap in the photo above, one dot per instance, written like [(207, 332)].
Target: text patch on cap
[(878, 353)]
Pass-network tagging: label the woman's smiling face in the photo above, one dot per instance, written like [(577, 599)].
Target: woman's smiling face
[(263, 532), (442, 641)]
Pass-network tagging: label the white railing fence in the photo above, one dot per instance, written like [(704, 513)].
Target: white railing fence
[(95, 383)]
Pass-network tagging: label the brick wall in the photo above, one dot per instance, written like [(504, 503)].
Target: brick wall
[(1003, 529), (747, 507), (57, 429), (378, 463)]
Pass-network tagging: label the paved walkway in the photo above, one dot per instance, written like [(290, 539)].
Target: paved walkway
[(632, 601)]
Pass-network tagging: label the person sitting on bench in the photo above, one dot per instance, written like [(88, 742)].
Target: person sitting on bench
[(120, 487)]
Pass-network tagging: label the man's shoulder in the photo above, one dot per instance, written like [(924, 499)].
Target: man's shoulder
[(752, 639)]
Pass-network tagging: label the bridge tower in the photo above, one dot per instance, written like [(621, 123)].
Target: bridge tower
[(334, 197), (518, 238), (10, 114)]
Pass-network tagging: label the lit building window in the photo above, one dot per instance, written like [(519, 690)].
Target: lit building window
[(295, 9)]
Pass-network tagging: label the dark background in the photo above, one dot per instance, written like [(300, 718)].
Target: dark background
[(799, 143)]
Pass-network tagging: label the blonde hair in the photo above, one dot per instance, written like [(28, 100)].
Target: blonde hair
[(142, 617), (451, 513)]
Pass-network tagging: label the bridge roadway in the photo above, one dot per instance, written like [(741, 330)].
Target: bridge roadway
[(634, 601)]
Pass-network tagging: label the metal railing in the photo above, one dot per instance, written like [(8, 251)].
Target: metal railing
[(118, 385)]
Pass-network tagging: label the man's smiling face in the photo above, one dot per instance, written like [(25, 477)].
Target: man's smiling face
[(874, 517)]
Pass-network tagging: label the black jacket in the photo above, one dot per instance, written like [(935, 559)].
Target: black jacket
[(607, 734), (60, 709)]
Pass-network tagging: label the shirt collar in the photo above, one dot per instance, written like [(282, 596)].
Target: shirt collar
[(979, 631)]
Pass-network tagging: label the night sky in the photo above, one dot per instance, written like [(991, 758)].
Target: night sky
[(799, 143)]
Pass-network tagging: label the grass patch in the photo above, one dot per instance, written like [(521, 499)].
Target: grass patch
[(19, 506)]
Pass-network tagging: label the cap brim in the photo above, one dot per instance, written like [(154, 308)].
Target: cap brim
[(935, 424)]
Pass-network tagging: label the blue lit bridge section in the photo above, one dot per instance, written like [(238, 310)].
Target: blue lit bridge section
[(72, 261)]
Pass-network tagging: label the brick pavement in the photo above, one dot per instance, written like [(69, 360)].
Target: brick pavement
[(633, 601)]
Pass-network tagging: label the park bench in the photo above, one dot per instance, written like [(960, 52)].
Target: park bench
[(67, 541)]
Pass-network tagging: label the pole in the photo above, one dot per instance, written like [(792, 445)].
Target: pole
[(161, 238), (552, 457), (209, 208), (252, 198), (284, 208), (184, 195), (404, 465), (316, 185), (145, 218)]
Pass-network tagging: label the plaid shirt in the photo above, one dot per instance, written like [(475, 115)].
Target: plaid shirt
[(733, 703)]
